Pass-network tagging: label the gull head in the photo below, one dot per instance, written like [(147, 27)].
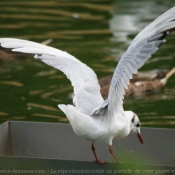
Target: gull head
[(134, 124)]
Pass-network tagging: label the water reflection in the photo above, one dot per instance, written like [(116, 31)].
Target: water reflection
[(120, 25), (60, 119), (13, 83), (97, 33)]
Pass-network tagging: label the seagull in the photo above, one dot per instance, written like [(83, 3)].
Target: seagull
[(92, 117)]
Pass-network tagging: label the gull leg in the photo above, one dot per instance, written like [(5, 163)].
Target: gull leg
[(111, 151), (96, 158)]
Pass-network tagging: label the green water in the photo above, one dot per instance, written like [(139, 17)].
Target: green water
[(97, 33)]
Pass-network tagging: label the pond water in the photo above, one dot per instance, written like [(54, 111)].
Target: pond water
[(95, 32)]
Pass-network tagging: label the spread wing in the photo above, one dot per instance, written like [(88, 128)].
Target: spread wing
[(83, 78), (140, 50)]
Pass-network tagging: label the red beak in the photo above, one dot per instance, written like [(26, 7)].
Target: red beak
[(139, 137)]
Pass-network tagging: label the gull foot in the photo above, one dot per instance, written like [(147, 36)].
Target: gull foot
[(119, 162), (100, 161)]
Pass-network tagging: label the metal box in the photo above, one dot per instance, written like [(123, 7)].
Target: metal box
[(52, 147)]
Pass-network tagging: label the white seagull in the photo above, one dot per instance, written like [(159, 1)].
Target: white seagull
[(91, 117)]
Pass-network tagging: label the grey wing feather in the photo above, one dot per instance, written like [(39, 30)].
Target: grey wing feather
[(140, 50), (83, 79)]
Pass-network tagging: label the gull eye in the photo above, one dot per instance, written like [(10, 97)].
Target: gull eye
[(138, 125)]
